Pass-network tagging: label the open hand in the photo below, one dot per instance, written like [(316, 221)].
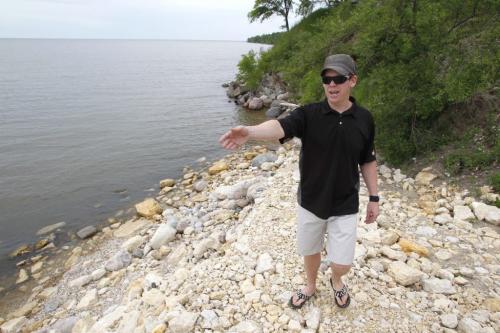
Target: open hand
[(235, 137), (371, 212)]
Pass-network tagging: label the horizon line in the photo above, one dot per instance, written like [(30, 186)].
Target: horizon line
[(150, 39)]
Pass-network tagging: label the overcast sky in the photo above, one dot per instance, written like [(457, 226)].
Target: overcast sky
[(162, 19)]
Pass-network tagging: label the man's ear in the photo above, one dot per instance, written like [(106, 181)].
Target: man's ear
[(353, 80)]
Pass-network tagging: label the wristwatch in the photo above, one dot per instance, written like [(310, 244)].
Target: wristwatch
[(374, 198)]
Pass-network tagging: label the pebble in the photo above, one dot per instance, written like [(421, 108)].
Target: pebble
[(118, 261)]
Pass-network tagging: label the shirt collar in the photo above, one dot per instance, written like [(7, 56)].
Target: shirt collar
[(326, 109)]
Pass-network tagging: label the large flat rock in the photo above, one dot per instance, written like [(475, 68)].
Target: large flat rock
[(131, 228)]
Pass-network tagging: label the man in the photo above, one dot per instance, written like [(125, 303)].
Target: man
[(337, 135)]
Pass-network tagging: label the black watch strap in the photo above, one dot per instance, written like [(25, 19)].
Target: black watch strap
[(374, 198)]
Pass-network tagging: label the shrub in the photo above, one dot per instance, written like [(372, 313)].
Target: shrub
[(495, 182), (248, 70)]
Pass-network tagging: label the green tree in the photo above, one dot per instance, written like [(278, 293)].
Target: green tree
[(306, 7), (264, 9)]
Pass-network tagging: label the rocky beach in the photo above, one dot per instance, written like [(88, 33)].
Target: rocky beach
[(215, 252)]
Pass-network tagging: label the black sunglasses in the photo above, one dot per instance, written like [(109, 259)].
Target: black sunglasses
[(336, 79)]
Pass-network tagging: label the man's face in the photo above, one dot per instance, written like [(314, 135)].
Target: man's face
[(337, 94)]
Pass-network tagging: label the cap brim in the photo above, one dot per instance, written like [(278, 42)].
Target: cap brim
[(338, 69)]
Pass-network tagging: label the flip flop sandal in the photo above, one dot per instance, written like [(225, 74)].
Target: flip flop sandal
[(341, 293), (300, 295)]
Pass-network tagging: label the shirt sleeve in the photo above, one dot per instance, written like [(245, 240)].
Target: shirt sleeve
[(368, 154), (293, 124)]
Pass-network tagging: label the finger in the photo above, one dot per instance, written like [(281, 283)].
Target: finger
[(223, 138), (369, 215), (227, 144)]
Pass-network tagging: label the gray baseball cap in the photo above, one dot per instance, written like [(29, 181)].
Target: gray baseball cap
[(341, 63)]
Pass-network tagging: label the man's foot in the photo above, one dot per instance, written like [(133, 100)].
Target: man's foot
[(301, 297), (342, 298)]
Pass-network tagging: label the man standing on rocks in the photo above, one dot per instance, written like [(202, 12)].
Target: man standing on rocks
[(337, 136)]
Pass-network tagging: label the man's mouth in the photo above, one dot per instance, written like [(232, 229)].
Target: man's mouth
[(334, 93)]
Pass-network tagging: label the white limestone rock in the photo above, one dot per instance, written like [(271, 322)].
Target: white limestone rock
[(81, 281), (48, 229), (393, 254), (236, 191), (89, 299), (425, 178), (120, 260), (200, 185), (462, 213), (177, 255), (132, 243), (14, 325), (390, 237), (129, 322), (404, 274), (438, 286), (163, 235), (98, 274), (65, 325), (490, 214), (183, 323), (210, 320), (154, 298), (468, 325), (264, 264), (202, 246), (111, 317), (449, 320), (130, 228), (312, 318), (256, 190), (443, 255), (443, 219), (247, 326), (22, 277), (425, 231)]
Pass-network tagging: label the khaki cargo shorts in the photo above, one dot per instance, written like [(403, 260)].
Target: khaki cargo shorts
[(341, 240)]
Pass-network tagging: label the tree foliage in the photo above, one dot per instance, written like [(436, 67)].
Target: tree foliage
[(415, 59), (265, 38), (264, 9), (306, 7)]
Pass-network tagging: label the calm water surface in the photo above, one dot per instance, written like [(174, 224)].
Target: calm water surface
[(88, 127)]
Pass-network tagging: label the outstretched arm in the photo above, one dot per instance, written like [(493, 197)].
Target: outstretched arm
[(237, 136)]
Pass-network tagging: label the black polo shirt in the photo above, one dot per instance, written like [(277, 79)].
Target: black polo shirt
[(333, 145)]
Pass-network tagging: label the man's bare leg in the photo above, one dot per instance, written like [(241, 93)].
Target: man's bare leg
[(337, 272), (311, 265)]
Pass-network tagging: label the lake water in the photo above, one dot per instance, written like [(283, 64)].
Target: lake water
[(89, 127)]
